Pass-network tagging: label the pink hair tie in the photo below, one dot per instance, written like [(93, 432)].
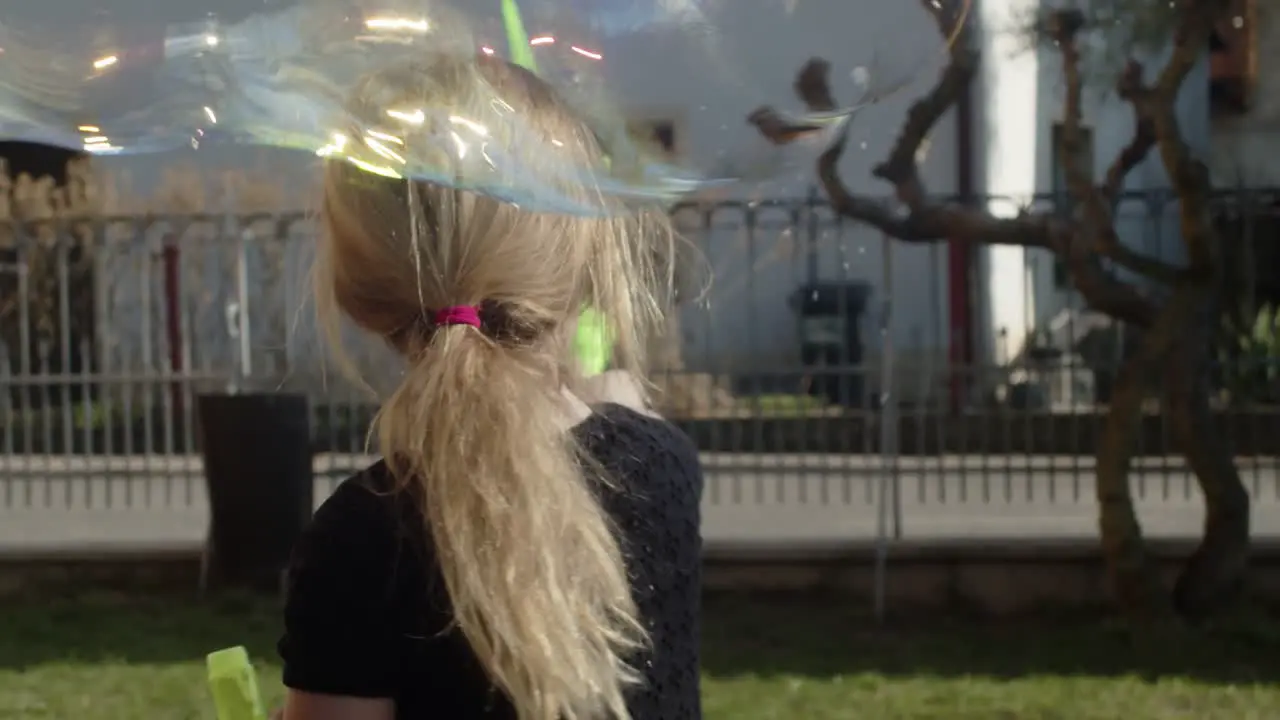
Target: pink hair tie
[(458, 315)]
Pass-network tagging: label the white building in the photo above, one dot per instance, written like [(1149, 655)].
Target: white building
[(697, 87), (697, 91)]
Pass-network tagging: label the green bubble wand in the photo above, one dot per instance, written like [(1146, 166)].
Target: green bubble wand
[(233, 684), (593, 341), (517, 38)]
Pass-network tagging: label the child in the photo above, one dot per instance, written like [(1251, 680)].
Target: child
[(519, 553)]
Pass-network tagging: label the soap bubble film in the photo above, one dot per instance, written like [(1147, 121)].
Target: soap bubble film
[(399, 87)]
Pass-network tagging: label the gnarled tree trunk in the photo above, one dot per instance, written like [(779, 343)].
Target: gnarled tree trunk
[(1176, 339), (1133, 581), (1215, 572), (1129, 575)]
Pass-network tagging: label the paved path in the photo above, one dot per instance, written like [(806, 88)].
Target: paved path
[(132, 502)]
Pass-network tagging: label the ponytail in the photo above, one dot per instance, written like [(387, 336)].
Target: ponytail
[(536, 578)]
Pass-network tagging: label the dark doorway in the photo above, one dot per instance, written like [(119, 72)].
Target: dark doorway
[(1233, 59), (37, 160)]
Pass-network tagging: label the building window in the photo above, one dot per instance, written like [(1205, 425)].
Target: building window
[(1064, 203), (657, 134), (1233, 59)]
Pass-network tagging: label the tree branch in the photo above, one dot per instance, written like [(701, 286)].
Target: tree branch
[(1189, 176), (1099, 287), (900, 168), (926, 220), (1096, 205), (1139, 147)]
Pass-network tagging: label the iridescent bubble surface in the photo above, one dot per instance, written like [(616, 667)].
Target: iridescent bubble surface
[(359, 80)]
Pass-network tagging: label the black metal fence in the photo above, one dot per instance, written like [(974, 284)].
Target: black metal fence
[(818, 362)]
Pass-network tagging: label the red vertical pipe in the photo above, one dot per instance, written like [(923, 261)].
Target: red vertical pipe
[(959, 261)]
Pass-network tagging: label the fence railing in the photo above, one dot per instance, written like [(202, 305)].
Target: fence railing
[(817, 427)]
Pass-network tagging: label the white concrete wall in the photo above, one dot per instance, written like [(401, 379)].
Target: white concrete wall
[(1009, 144), (708, 84)]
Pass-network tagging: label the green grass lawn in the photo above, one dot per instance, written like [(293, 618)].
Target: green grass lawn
[(765, 658)]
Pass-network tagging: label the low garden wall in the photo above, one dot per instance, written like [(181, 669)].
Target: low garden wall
[(978, 577)]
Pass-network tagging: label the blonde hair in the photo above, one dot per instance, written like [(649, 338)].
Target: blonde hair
[(477, 429)]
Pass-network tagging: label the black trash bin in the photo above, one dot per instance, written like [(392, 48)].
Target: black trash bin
[(830, 334), (257, 465)]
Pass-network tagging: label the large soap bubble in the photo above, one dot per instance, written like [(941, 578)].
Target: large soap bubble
[(359, 80)]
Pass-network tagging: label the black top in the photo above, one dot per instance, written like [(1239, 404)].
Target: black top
[(367, 614)]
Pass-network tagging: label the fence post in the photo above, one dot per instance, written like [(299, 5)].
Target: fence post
[(812, 203), (239, 322), (173, 317), (888, 500)]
